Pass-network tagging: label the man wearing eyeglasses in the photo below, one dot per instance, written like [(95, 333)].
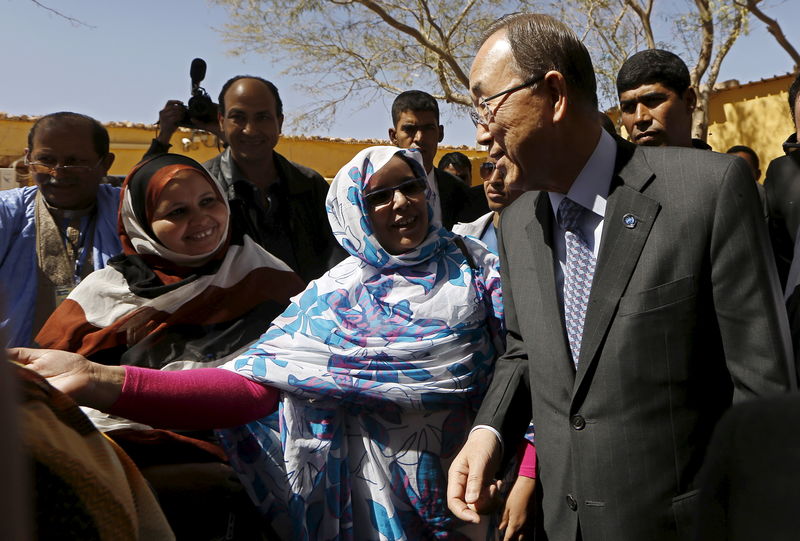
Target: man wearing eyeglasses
[(54, 234), (782, 186), (415, 124), (639, 297)]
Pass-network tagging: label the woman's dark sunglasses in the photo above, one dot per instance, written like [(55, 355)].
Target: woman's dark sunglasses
[(409, 189), (486, 170)]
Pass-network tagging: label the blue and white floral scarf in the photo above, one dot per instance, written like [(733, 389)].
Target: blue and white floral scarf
[(383, 362)]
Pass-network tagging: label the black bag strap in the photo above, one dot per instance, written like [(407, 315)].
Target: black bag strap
[(463, 247)]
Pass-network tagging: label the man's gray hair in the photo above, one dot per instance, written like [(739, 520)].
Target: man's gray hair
[(540, 43)]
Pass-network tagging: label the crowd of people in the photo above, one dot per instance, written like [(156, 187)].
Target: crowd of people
[(552, 354)]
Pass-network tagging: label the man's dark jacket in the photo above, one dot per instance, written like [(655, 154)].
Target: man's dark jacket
[(454, 197), (300, 233), (782, 186)]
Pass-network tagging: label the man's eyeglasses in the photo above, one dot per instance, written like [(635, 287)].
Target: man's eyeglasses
[(51, 168), (411, 189), (486, 170), (484, 115)]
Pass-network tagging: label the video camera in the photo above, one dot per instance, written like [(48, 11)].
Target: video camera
[(200, 107)]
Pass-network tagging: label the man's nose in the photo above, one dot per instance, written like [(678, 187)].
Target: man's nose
[(482, 135), (249, 126), (642, 113)]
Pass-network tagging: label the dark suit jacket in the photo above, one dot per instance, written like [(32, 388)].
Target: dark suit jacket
[(782, 187), (684, 315), (454, 195), (750, 481)]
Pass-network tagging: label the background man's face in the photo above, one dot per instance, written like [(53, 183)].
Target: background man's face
[(463, 174), (655, 115), (68, 143), (250, 124), (504, 186), (750, 163), (418, 129)]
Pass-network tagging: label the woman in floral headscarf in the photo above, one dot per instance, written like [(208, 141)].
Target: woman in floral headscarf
[(382, 364)]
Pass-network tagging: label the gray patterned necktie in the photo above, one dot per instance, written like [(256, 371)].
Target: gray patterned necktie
[(578, 276)]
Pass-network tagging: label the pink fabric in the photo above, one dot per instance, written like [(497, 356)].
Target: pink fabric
[(527, 467), (198, 399)]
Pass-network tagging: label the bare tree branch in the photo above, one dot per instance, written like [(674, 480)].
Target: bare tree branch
[(71, 20), (644, 13), (774, 28)]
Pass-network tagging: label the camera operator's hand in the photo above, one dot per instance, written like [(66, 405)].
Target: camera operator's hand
[(168, 119), (210, 127)]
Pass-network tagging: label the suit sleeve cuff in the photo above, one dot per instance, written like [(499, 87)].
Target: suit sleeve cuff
[(494, 431)]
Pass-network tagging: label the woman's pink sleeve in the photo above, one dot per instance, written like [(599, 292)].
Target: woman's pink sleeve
[(527, 467), (197, 399)]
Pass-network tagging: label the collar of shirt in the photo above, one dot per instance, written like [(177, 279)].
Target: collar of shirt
[(591, 187)]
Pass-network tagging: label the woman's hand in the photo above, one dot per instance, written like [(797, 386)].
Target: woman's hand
[(88, 383), (518, 513)]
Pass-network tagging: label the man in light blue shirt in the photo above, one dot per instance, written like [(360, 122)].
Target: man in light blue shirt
[(54, 234)]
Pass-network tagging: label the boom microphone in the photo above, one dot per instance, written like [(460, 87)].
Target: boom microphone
[(198, 71)]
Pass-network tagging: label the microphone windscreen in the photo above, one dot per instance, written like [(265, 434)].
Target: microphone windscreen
[(198, 70)]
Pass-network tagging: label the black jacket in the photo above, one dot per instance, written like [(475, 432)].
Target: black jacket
[(782, 187), (454, 197), (291, 221)]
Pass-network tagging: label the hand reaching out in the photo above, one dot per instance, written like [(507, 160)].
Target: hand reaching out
[(88, 383)]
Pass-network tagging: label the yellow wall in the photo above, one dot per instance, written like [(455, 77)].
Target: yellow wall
[(129, 143), (756, 115)]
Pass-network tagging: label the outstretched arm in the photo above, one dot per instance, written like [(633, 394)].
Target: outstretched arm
[(190, 399)]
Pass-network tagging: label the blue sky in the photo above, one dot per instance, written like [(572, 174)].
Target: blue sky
[(137, 55)]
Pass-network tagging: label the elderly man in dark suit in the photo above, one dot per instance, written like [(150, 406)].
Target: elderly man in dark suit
[(640, 294)]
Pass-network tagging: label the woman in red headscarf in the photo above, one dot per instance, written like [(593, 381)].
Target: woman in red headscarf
[(188, 291)]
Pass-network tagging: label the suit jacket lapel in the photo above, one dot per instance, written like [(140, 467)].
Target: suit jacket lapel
[(540, 231), (629, 218)]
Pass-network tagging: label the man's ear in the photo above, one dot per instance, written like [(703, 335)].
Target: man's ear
[(280, 124), (556, 87), (690, 97), (392, 137), (441, 133), (108, 160)]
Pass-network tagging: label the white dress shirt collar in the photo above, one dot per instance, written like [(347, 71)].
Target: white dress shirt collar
[(592, 185)]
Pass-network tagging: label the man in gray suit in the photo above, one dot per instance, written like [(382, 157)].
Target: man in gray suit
[(632, 328)]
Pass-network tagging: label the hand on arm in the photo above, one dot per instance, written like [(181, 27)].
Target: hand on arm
[(470, 485), (89, 384)]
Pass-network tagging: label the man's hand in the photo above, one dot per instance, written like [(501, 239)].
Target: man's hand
[(470, 489), (168, 119), (88, 383)]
